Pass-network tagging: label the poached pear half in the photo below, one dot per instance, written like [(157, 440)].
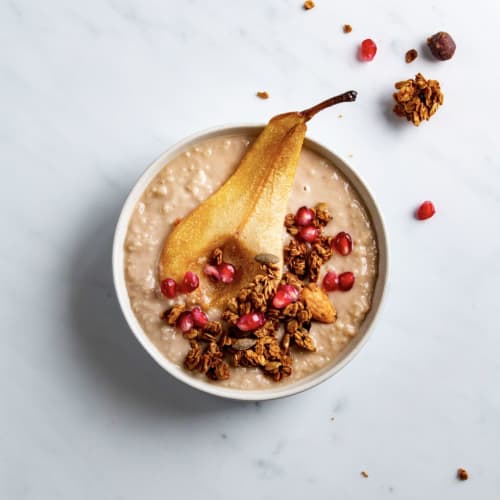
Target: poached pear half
[(244, 217)]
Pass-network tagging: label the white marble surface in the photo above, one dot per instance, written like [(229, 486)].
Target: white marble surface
[(91, 92)]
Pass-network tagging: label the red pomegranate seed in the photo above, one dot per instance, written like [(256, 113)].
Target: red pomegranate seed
[(169, 288), (346, 281), (250, 321), (226, 272), (304, 216), (343, 243), (190, 282), (367, 50), (330, 281), (285, 295), (426, 210), (211, 272), (200, 319), (309, 233), (185, 321)]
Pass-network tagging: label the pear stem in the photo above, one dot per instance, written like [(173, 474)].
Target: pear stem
[(349, 96)]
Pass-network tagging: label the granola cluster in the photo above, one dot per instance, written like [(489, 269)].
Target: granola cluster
[(220, 344), (417, 99), (303, 260)]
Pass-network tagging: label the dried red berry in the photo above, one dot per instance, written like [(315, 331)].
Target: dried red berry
[(190, 282), (331, 281), (367, 50), (309, 233), (442, 45), (346, 281), (226, 272), (250, 321), (285, 295), (185, 321), (304, 216), (425, 211), (200, 319), (169, 288), (343, 243)]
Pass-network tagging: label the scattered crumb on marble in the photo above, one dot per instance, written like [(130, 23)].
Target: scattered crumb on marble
[(462, 474), (263, 94), (350, 155), (332, 418), (364, 473), (347, 28), (309, 4), (341, 116), (410, 56)]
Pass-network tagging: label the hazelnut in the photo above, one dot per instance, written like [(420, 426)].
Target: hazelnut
[(442, 45)]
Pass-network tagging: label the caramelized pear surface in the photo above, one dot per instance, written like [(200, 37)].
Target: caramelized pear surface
[(244, 217)]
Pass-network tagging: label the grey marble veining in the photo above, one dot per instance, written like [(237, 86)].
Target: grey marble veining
[(91, 92)]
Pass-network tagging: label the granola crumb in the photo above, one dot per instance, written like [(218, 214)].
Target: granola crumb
[(309, 4), (263, 94), (462, 474), (364, 473), (347, 28), (411, 55), (417, 99)]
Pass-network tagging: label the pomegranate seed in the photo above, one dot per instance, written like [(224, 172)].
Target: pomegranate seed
[(285, 295), (169, 288), (304, 216), (227, 272), (426, 210), (211, 272), (250, 321), (200, 319), (185, 321), (346, 281), (309, 233), (190, 282), (330, 281), (343, 243), (367, 50)]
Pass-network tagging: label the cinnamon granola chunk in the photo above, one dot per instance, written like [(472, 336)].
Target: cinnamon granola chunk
[(295, 257), (193, 358), (417, 99), (172, 315), (216, 257)]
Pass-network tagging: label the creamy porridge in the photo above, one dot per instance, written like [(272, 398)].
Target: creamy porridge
[(190, 179)]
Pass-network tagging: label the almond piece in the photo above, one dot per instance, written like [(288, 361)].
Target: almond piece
[(319, 304)]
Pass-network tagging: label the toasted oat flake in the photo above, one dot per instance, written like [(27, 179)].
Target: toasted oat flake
[(309, 4), (347, 28), (263, 94), (462, 474), (364, 473)]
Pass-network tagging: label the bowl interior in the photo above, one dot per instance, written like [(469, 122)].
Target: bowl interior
[(280, 390)]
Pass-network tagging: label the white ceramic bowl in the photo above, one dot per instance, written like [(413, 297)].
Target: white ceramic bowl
[(279, 390)]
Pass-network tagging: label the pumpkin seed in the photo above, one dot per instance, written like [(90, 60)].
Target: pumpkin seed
[(243, 344), (266, 258)]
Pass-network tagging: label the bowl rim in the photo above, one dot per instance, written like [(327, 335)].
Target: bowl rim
[(179, 373)]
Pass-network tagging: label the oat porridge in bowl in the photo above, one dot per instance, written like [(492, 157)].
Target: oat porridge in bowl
[(248, 321)]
